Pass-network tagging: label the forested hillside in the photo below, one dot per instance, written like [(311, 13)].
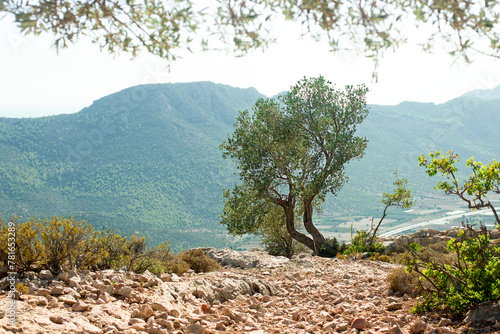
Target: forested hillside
[(143, 160), (146, 159)]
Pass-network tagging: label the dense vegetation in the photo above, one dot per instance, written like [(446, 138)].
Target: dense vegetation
[(62, 244), (146, 160)]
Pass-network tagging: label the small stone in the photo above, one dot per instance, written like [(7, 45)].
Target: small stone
[(394, 306), (62, 276), (417, 327), (342, 327), (2, 314), (396, 330), (144, 312), (174, 277), (359, 323), (166, 277), (444, 322), (220, 326), (68, 299), (43, 292), (80, 306), (195, 329), (57, 319), (174, 313), (124, 291), (165, 323), (135, 320), (330, 326), (45, 275)]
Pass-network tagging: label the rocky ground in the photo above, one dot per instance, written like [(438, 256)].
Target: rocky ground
[(263, 295)]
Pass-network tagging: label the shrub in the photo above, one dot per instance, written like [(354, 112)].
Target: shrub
[(403, 282), (199, 261), (63, 240), (330, 248), (29, 251), (113, 248), (473, 278), (382, 258), (177, 266), (361, 244)]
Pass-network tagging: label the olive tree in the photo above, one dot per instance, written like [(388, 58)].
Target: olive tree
[(294, 151), (162, 27)]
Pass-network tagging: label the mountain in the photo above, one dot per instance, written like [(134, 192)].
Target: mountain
[(143, 160), (399, 134), (146, 159)]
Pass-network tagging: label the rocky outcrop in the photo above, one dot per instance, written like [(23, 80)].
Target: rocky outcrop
[(245, 260), (426, 237), (485, 312)]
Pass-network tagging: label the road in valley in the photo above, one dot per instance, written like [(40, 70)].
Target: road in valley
[(438, 221)]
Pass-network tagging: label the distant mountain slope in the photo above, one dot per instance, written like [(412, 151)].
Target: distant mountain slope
[(146, 159), (399, 134)]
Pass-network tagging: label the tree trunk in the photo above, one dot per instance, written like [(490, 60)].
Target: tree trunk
[(494, 213), (378, 225), (290, 226), (318, 238)]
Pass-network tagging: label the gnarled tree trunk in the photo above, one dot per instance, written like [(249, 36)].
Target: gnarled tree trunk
[(318, 238), (290, 226)]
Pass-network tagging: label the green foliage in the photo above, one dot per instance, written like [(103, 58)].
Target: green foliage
[(401, 197), (163, 27), (295, 151), (474, 276), (330, 248), (199, 261), (474, 190), (360, 244)]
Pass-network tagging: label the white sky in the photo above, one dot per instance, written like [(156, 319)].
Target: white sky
[(36, 81)]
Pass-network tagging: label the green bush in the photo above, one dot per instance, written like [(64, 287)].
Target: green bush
[(330, 248), (473, 278), (360, 244)]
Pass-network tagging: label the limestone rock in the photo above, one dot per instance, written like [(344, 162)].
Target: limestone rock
[(359, 323), (484, 312), (418, 326), (245, 260), (45, 275), (394, 306), (80, 306)]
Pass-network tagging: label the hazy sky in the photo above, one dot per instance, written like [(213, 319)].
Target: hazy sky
[(36, 81)]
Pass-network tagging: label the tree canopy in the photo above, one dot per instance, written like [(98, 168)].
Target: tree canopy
[(163, 27), (295, 150)]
